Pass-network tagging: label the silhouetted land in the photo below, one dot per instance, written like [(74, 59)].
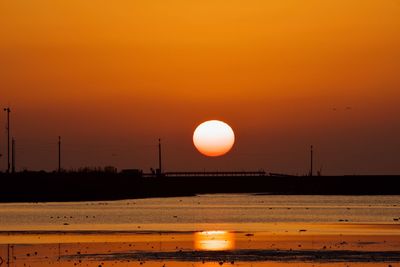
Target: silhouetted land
[(78, 186)]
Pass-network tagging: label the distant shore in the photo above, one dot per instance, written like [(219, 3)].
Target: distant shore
[(92, 186)]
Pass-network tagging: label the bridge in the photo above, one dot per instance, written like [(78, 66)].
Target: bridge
[(214, 174)]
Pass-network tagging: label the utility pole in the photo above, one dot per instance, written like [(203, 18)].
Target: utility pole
[(13, 155), (8, 110), (159, 156), (59, 154), (311, 167)]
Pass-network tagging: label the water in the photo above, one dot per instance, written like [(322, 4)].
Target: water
[(195, 212), (206, 230)]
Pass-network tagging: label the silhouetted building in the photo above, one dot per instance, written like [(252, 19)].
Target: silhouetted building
[(110, 169)]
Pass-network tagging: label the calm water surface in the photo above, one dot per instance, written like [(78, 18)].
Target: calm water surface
[(207, 231), (167, 213)]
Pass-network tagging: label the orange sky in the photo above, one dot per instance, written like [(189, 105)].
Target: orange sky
[(111, 77)]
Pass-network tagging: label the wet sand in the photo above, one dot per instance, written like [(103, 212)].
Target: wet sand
[(281, 244)]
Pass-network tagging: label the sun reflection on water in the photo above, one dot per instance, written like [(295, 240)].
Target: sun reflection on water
[(214, 240)]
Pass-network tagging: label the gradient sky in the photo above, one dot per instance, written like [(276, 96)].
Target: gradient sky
[(111, 77)]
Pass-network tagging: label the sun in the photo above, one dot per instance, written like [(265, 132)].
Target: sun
[(213, 138)]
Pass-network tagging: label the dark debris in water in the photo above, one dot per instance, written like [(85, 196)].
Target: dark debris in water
[(247, 255)]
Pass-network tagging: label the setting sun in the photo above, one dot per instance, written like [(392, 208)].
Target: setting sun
[(213, 138)]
